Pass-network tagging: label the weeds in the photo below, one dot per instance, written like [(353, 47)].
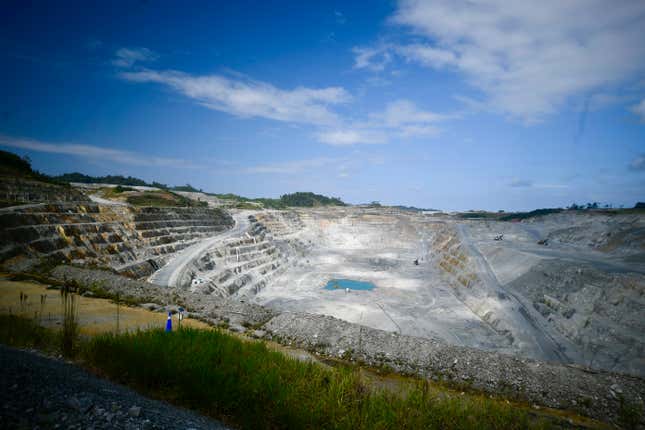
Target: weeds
[(25, 333), (70, 329), (253, 387), (629, 415)]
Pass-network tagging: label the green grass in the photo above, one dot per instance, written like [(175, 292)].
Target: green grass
[(162, 199), (299, 199), (246, 384), (477, 215), (26, 333), (518, 216)]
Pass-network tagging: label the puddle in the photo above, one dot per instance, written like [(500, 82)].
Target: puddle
[(342, 284)]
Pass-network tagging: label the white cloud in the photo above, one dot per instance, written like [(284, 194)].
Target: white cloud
[(95, 153), (404, 112), (528, 58), (244, 97), (352, 136), (374, 59), (638, 163), (399, 119), (128, 57), (248, 98), (427, 55), (639, 110)]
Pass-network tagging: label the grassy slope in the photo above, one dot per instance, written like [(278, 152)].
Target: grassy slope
[(246, 384), (161, 198)]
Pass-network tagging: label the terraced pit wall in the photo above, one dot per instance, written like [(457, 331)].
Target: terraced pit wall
[(460, 272), (133, 241), (241, 267), (16, 191)]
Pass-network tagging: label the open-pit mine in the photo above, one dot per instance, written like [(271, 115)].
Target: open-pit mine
[(548, 307)]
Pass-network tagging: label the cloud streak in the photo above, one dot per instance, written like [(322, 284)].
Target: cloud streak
[(128, 57), (400, 119), (95, 153), (249, 98)]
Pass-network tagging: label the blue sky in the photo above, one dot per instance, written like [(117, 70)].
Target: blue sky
[(447, 104)]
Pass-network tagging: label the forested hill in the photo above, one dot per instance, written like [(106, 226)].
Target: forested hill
[(310, 200)]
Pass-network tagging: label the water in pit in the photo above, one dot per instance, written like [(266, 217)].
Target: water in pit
[(341, 284)]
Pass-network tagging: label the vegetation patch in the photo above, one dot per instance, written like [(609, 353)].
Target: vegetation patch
[(163, 199), (299, 199), (477, 215), (109, 179), (247, 384), (526, 215), (14, 165), (26, 333)]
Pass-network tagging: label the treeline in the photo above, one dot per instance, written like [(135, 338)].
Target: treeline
[(129, 181), (310, 200), (299, 199), (14, 165), (526, 215), (109, 179)]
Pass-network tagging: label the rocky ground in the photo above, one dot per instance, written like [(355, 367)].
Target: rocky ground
[(598, 394), (40, 392)]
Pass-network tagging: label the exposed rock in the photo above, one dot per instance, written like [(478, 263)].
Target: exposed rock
[(134, 411), (259, 334), (130, 240)]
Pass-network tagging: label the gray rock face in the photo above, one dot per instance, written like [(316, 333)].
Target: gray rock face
[(553, 385), (131, 240), (601, 313), (24, 191)]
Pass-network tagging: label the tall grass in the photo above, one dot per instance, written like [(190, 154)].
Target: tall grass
[(70, 329), (26, 333), (253, 387)]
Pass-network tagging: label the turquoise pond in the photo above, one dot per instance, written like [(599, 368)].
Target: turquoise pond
[(341, 284)]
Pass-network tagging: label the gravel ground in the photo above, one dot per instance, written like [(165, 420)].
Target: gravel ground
[(39, 392)]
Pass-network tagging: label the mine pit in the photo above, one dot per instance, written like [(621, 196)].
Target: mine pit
[(412, 291)]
